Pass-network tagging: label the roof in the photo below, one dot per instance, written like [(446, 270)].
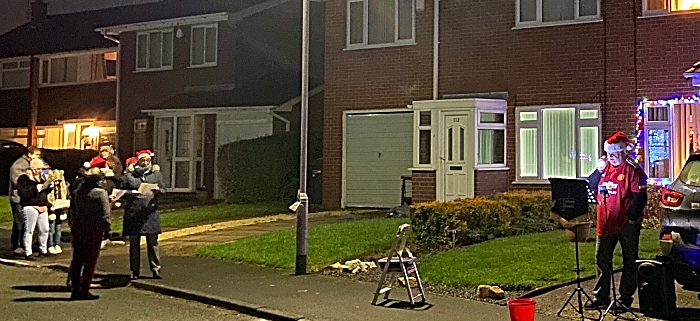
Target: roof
[(272, 89), (76, 31)]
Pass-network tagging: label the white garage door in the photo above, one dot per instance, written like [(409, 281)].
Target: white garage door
[(378, 150)]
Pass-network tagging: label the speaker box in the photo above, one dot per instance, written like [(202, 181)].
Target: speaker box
[(657, 288)]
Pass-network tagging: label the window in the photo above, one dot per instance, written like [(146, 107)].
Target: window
[(79, 68), (380, 22), (666, 6), (14, 74), (424, 138), (491, 144), (534, 12), (154, 50), (203, 46), (557, 141)]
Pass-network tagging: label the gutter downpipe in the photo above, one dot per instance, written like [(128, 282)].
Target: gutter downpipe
[(436, 44), (116, 107)]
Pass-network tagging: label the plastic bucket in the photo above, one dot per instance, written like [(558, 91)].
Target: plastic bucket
[(522, 309)]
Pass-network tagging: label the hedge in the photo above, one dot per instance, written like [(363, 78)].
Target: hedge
[(468, 221)]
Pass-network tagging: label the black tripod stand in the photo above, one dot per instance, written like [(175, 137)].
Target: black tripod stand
[(616, 307), (579, 290), (571, 198)]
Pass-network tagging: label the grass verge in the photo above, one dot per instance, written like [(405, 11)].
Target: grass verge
[(5, 210), (328, 244), (522, 262)]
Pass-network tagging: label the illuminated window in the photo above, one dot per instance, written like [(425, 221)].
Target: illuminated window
[(663, 6)]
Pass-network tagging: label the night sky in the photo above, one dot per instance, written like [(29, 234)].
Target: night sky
[(16, 12)]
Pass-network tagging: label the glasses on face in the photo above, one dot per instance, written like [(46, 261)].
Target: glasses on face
[(615, 154)]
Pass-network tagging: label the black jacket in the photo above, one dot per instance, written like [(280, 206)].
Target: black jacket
[(141, 215), (29, 194), (90, 207)]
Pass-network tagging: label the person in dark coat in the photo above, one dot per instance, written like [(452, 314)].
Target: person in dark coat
[(141, 217), (19, 168), (90, 220)]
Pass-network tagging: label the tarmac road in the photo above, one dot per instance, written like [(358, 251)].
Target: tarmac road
[(38, 294)]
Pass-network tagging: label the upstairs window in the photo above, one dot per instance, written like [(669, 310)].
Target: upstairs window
[(203, 46), (154, 50), (79, 68), (14, 74), (536, 12), (377, 23), (666, 6)]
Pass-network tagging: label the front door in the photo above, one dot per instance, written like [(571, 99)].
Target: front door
[(174, 151), (455, 157)]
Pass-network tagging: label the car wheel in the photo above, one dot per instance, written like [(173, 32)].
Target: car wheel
[(687, 277)]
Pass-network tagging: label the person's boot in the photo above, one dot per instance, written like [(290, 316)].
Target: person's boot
[(156, 275), (622, 304), (134, 275), (596, 304)]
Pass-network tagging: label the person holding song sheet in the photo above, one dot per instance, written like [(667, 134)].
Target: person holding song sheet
[(144, 184), (620, 184)]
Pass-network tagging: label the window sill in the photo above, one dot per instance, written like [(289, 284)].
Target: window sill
[(657, 14), (532, 182), (201, 66), (77, 83), (152, 70), (554, 24), (377, 46), (492, 168), (15, 88), (422, 169)]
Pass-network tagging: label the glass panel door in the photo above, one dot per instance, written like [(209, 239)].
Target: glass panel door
[(164, 148), (183, 153)]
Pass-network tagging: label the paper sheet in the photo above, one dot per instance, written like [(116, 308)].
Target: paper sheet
[(146, 189), (59, 204), (117, 194)]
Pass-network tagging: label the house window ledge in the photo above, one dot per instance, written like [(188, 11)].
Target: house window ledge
[(492, 168), (533, 182), (77, 83), (201, 66), (381, 45), (526, 25), (657, 14), (152, 70), (422, 169)]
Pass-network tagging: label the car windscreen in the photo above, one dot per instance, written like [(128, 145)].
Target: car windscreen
[(690, 175)]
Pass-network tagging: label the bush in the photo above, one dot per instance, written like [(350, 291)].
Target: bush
[(653, 208), (468, 221), (260, 170)]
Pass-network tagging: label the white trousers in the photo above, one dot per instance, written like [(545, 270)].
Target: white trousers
[(34, 219)]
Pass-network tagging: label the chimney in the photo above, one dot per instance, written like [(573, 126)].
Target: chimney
[(39, 12)]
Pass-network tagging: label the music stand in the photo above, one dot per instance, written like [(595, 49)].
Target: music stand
[(571, 198)]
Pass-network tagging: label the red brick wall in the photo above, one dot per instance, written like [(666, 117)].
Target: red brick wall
[(490, 182), (423, 186), (614, 62), (94, 100)]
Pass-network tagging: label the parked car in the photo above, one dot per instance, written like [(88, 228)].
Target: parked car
[(9, 152), (680, 223)]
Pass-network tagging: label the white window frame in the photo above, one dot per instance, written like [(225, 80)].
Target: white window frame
[(495, 126), (365, 28), (19, 62), (538, 125), (204, 49), (417, 128), (538, 20), (148, 52), (67, 55), (667, 11)]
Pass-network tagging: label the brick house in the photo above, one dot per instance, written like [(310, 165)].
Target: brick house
[(196, 75), (486, 96), (76, 80)]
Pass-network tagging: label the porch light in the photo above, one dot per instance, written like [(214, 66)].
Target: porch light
[(92, 131), (69, 127)]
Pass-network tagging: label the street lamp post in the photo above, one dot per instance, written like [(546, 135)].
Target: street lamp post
[(303, 208)]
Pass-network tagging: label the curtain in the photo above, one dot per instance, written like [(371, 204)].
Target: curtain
[(486, 142), (589, 150), (557, 10), (528, 152), (559, 143), (381, 21), (357, 22)]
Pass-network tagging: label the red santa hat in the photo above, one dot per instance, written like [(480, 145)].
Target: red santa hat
[(618, 142), (144, 153), (131, 160), (98, 162)]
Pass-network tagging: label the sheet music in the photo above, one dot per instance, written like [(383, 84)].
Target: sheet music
[(146, 189), (117, 194), (59, 204)]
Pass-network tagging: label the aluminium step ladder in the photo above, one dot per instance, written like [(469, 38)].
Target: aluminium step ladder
[(402, 261)]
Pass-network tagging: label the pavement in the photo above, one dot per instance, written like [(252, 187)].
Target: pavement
[(271, 293)]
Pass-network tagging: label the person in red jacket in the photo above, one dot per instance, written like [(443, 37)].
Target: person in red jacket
[(621, 187)]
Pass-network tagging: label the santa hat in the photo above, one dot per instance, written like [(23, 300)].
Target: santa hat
[(618, 142), (131, 160), (98, 162), (144, 153)]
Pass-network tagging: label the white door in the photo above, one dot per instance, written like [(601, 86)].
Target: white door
[(174, 142), (456, 155), (378, 151)]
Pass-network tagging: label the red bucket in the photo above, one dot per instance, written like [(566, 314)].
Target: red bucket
[(522, 309)]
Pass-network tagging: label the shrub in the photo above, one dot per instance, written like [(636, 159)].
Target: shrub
[(653, 208), (468, 221)]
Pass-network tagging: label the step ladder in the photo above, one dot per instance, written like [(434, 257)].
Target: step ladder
[(402, 261)]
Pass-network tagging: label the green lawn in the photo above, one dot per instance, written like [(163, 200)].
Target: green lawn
[(521, 262), (328, 244), (210, 214), (5, 210)]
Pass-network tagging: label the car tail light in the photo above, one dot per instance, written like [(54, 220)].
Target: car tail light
[(671, 198)]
